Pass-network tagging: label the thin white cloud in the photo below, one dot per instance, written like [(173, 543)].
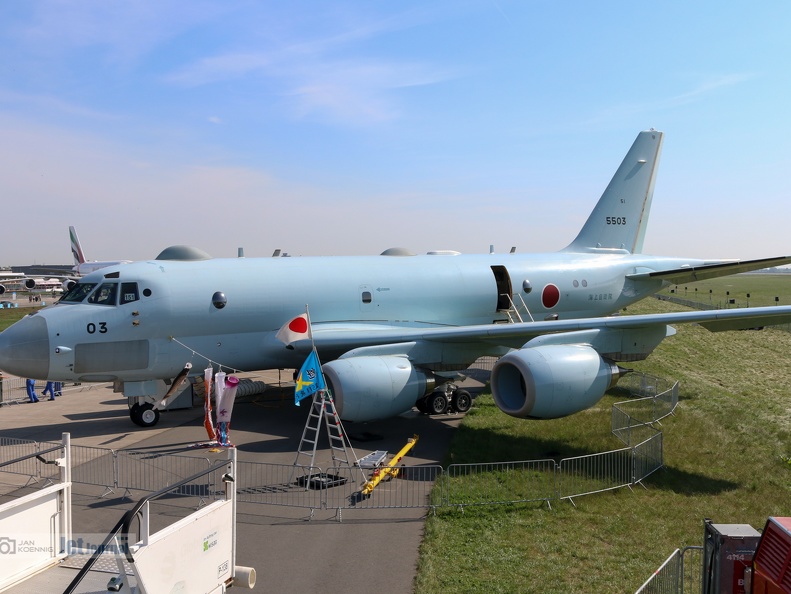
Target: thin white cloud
[(220, 68), (318, 72), (356, 91), (128, 29), (707, 87), (698, 93), (49, 103)]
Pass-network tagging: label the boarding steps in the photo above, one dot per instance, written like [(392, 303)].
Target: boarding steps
[(514, 317)]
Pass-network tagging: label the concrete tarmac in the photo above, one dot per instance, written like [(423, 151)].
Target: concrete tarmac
[(369, 549)]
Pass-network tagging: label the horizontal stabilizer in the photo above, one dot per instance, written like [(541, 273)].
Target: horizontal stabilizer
[(690, 274)]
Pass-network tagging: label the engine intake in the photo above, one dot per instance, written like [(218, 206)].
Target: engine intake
[(551, 381)]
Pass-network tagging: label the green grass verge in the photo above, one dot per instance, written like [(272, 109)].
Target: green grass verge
[(10, 315), (761, 288), (726, 458)]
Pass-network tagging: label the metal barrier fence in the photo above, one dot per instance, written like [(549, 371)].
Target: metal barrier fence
[(147, 471), (681, 572), (11, 449), (648, 457), (594, 473), (12, 388), (414, 487), (14, 391), (501, 482), (692, 304), (34, 468), (641, 384), (94, 466), (279, 484)]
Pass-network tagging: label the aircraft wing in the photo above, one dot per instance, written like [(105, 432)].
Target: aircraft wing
[(340, 336), (690, 274)]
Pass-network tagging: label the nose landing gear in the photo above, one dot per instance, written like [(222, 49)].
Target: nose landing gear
[(144, 415)]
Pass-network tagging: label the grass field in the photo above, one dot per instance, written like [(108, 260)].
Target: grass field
[(726, 453), (9, 316), (761, 288)]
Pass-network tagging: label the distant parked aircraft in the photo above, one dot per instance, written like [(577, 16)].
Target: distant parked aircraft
[(58, 282), (12, 280), (83, 266)]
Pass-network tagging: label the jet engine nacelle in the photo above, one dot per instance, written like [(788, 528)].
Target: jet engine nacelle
[(551, 381), (28, 283), (375, 387), (68, 285)]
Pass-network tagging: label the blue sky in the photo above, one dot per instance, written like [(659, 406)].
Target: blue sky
[(329, 128)]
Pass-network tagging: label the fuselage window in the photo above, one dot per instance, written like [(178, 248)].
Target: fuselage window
[(129, 293), (78, 292), (105, 295), (367, 297)]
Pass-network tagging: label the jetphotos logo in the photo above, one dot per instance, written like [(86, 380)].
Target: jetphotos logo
[(89, 544), (48, 545)]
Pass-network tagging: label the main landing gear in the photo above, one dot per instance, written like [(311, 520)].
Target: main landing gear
[(446, 398)]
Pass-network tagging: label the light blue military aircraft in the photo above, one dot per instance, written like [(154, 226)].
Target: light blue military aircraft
[(390, 328)]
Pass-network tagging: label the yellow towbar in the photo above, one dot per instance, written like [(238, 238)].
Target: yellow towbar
[(390, 469)]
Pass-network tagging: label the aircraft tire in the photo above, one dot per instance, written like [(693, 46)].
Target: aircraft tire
[(437, 402), (461, 401), (149, 416), (134, 414)]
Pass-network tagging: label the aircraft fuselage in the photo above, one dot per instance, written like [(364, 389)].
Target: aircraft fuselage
[(163, 313)]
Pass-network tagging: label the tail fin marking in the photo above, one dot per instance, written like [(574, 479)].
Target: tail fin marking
[(76, 249), (620, 218)]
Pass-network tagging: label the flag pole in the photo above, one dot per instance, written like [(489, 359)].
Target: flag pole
[(310, 329), (322, 392)]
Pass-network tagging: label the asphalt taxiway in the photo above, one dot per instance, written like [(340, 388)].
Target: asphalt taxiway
[(291, 552)]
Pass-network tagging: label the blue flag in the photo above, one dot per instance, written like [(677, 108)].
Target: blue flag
[(310, 379)]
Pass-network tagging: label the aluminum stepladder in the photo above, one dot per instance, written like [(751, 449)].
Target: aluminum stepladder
[(322, 406)]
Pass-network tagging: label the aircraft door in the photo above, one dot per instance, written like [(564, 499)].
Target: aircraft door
[(504, 288)]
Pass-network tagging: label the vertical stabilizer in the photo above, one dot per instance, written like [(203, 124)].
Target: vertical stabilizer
[(76, 249), (620, 217)]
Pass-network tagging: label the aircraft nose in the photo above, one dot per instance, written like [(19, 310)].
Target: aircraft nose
[(24, 348)]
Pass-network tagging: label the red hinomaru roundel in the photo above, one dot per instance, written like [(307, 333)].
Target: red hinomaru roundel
[(550, 296)]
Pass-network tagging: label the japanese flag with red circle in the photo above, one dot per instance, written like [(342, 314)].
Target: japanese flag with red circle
[(294, 330)]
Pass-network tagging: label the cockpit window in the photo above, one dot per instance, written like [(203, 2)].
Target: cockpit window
[(129, 293), (78, 292), (105, 295)]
